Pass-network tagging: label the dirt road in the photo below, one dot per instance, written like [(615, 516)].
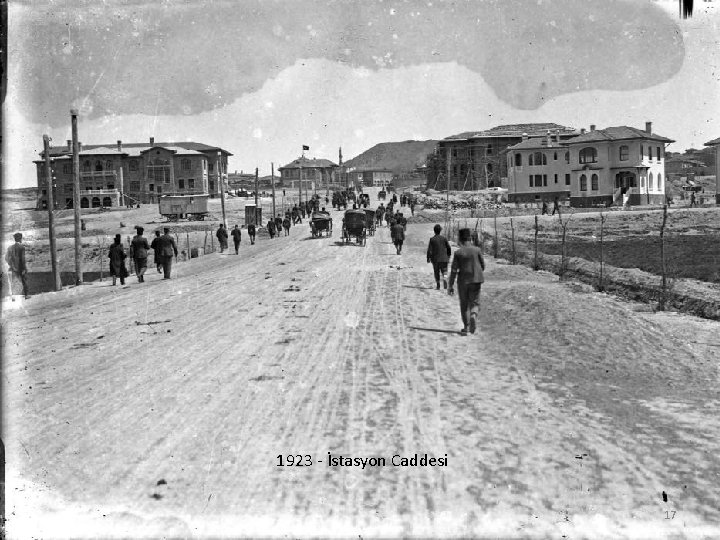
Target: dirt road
[(161, 408)]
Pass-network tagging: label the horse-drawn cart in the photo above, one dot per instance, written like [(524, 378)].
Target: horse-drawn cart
[(192, 207), (320, 222), (370, 221), (354, 226)]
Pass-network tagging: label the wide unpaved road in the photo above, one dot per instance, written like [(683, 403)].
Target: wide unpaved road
[(160, 409)]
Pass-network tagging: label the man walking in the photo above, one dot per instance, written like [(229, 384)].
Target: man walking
[(139, 248), (468, 266), (222, 237), (556, 206), (278, 224), (155, 245), (397, 233), (15, 259), (438, 253), (251, 233), (271, 228), (168, 250), (237, 237)]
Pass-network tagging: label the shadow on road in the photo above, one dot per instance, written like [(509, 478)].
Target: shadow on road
[(433, 330), (418, 287)]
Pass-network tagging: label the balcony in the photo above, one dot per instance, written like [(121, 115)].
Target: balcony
[(98, 174)]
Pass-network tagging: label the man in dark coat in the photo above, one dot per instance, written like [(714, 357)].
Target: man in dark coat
[(222, 237), (556, 206), (15, 259), (168, 250), (155, 245), (271, 228), (397, 233), (116, 254), (278, 224), (286, 225), (139, 248), (438, 253), (251, 233), (468, 266), (237, 237)]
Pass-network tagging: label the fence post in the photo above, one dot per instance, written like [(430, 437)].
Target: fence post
[(535, 266), (495, 242), (187, 238), (663, 295), (564, 225), (512, 239), (603, 217)]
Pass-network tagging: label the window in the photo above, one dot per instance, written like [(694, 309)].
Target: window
[(567, 179), (151, 187), (135, 186), (538, 158), (133, 165), (108, 165), (650, 153), (211, 183), (86, 165), (167, 178), (518, 160), (67, 168), (98, 165), (555, 156), (185, 164), (531, 181), (454, 170), (159, 190), (489, 151), (210, 167), (204, 165), (588, 155), (657, 151), (650, 182), (454, 154), (594, 182), (489, 168), (191, 183), (624, 153), (111, 186), (583, 182), (642, 152), (567, 157), (544, 176), (556, 179), (181, 183), (660, 181)]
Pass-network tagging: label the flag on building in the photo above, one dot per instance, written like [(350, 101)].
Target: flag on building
[(306, 147)]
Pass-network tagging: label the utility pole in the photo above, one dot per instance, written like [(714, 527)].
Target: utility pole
[(222, 186), (272, 180), (51, 218), (257, 188), (76, 197), (447, 192), (300, 184)]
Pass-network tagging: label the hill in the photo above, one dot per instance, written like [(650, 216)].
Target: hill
[(398, 157)]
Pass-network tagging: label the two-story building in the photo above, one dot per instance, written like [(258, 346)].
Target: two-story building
[(715, 144), (132, 173), (477, 159), (618, 165), (319, 173)]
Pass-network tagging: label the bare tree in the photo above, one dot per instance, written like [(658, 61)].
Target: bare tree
[(563, 227)]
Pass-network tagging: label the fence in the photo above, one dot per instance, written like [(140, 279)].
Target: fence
[(638, 254)]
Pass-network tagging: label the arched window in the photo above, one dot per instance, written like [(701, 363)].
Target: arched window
[(594, 182), (98, 165), (588, 155), (583, 182), (185, 164), (657, 151), (555, 156), (624, 149), (650, 182), (642, 152), (489, 151), (518, 160), (650, 153), (538, 158), (96, 202), (107, 201), (660, 181), (86, 166)]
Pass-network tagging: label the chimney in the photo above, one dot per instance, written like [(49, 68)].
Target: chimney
[(557, 136), (648, 127), (152, 141), (119, 146), (592, 127), (582, 131), (69, 141), (525, 136), (549, 138)]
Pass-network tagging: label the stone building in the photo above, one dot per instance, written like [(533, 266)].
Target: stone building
[(715, 143), (477, 159), (319, 173), (617, 165), (112, 175)]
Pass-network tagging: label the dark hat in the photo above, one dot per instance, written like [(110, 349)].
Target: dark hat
[(17, 236), (167, 230), (118, 237), (464, 235), (140, 230)]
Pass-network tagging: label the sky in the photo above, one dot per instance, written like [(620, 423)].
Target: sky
[(261, 78)]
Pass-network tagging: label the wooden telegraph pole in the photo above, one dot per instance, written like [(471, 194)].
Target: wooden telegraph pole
[(300, 185), (272, 180), (257, 188), (51, 218), (222, 187), (76, 198)]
